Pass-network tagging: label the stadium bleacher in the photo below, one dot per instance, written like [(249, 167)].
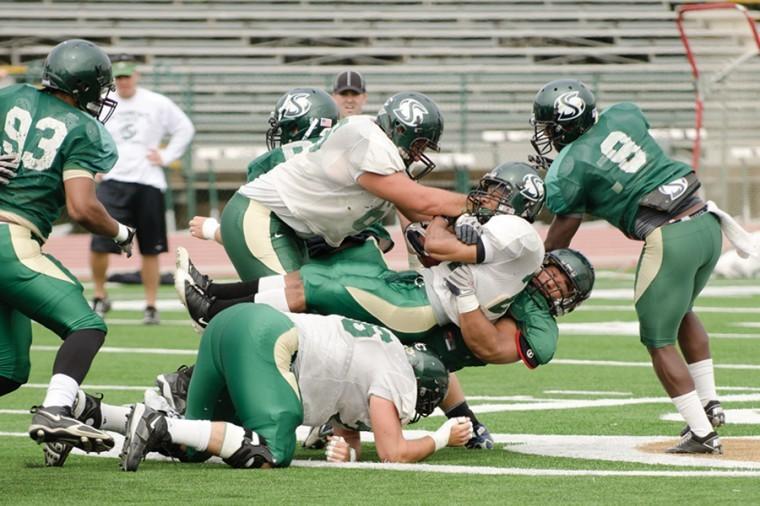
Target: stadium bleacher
[(227, 61)]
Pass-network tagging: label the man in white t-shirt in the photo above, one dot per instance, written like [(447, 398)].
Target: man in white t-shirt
[(133, 191)]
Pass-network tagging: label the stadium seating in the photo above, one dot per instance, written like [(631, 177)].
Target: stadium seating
[(226, 61)]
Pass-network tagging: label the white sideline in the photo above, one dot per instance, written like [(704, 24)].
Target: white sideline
[(111, 349), (619, 363), (699, 309)]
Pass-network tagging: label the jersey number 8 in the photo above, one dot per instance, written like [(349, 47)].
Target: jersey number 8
[(17, 125), (621, 150)]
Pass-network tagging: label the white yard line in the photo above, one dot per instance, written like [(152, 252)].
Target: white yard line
[(699, 309), (588, 392), (620, 363), (91, 388), (609, 448), (111, 349)]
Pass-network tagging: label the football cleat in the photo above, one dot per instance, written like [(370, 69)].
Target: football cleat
[(253, 453), (193, 297), (173, 387), (186, 269), (146, 431), (101, 306), (86, 409), (55, 424), (715, 414), (482, 440), (691, 443), (317, 438)]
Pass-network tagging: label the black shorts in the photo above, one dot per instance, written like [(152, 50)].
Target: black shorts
[(136, 205)]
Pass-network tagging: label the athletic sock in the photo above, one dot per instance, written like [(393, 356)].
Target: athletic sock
[(77, 352), (703, 374), (693, 412), (275, 298), (233, 440), (462, 409), (219, 305), (114, 417), (61, 391), (193, 433), (233, 290)]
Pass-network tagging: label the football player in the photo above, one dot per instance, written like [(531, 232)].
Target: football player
[(54, 135), (348, 181), (262, 373), (300, 117), (612, 168)]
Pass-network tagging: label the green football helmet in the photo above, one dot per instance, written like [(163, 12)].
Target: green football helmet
[(510, 188), (580, 277), (81, 69), (432, 378), (414, 123), (300, 114), (562, 111)]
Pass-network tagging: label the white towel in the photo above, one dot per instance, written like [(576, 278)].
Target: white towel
[(737, 236)]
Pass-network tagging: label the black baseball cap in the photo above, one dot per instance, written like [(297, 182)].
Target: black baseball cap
[(350, 80)]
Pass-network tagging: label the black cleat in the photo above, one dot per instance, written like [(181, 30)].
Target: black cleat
[(482, 440), (86, 409), (691, 443), (173, 387), (186, 269), (54, 424), (715, 414), (146, 431)]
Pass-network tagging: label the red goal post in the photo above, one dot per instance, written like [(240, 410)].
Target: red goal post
[(703, 83)]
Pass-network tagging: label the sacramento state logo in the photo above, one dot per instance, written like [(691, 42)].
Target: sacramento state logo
[(533, 188), (410, 112), (674, 189), (569, 106), (294, 106)]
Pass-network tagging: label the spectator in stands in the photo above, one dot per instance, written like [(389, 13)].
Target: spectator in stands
[(350, 93), (133, 191)]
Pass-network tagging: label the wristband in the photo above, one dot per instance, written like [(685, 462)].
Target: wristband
[(123, 233), (210, 226), (467, 303)]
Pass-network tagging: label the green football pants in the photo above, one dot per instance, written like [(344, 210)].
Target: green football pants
[(243, 376), (674, 266)]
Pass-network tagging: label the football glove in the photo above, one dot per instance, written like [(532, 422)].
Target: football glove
[(460, 281), (126, 245), (9, 163), (468, 229)]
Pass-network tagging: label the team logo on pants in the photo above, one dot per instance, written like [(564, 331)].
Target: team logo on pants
[(295, 106), (410, 112), (569, 106)]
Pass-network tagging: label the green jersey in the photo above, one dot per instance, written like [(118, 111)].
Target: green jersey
[(56, 141), (269, 160), (608, 169), (531, 313)]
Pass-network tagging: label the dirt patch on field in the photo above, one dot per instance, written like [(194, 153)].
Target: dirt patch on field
[(733, 449)]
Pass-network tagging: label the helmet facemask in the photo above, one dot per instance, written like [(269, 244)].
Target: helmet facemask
[(418, 164), (558, 282), (432, 379), (490, 198), (104, 107)]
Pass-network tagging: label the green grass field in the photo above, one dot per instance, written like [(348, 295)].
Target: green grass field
[(598, 385)]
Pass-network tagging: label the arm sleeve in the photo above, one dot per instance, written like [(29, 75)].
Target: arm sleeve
[(176, 123), (91, 149), (539, 333)]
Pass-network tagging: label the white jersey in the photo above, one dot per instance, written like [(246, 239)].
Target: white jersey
[(138, 125), (319, 187), (513, 253), (342, 362)]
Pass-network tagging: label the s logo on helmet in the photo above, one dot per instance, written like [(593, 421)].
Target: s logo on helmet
[(569, 106), (295, 106), (410, 112), (533, 187)]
